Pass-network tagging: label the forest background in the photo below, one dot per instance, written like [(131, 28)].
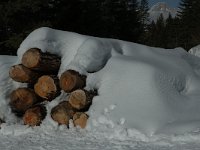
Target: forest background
[(120, 19)]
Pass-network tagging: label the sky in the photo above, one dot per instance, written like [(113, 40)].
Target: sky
[(172, 3)]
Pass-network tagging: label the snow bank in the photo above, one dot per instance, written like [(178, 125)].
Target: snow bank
[(141, 88), (6, 87), (195, 51)]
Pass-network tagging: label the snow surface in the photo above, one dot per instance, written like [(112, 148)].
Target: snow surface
[(148, 97), (195, 51)]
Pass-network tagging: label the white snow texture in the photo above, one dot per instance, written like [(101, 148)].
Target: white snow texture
[(143, 91)]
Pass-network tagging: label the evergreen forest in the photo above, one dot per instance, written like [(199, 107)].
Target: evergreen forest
[(120, 19)]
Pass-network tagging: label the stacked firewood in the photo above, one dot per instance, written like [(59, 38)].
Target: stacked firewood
[(39, 70)]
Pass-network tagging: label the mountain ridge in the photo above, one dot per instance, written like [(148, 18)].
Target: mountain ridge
[(161, 8)]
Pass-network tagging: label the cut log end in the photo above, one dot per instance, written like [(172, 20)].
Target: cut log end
[(34, 116), (21, 99), (71, 80), (62, 113), (23, 74), (81, 99), (47, 87), (78, 99), (35, 59), (80, 119), (31, 58), (68, 83)]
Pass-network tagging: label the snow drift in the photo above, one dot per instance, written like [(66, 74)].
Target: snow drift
[(142, 88)]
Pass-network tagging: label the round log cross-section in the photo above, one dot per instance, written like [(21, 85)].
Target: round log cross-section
[(71, 80), (20, 73), (34, 116), (35, 59), (80, 119), (62, 113), (81, 99), (21, 99), (47, 87)]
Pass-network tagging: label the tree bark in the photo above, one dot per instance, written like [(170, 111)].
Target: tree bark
[(81, 99), (80, 119), (47, 87), (34, 116), (21, 99), (71, 80), (62, 113), (44, 62), (23, 74)]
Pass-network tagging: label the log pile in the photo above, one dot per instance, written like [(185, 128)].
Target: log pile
[(78, 103), (39, 70)]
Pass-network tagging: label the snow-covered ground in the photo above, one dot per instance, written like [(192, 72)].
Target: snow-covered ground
[(24, 138), (149, 98)]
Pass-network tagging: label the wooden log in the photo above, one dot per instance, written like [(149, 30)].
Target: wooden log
[(34, 115), (70, 110), (81, 99), (20, 73), (21, 99), (80, 119), (71, 80), (47, 87), (62, 113), (35, 59)]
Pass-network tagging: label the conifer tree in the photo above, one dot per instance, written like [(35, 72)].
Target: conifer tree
[(189, 15), (105, 18), (160, 29), (143, 8), (172, 32), (144, 18), (121, 19), (156, 34), (19, 18), (131, 24), (150, 34)]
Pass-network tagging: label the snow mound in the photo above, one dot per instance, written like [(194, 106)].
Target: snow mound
[(195, 51), (144, 89), (6, 87)]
